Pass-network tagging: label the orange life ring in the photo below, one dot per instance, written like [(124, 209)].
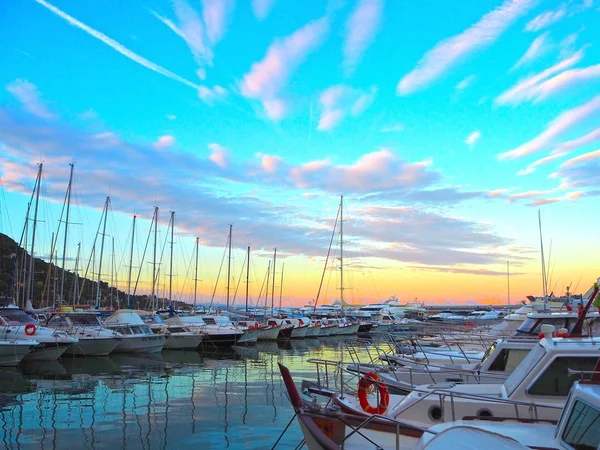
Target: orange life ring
[(30, 329), (384, 397)]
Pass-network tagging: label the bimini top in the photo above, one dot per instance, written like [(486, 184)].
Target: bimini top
[(124, 316)]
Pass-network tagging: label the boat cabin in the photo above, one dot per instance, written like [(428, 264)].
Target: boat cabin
[(532, 326), (127, 322)]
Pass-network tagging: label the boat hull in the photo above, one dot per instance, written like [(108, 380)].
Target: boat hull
[(12, 354), (221, 339), (249, 337), (299, 332), (313, 332), (182, 341), (141, 344), (47, 351), (93, 347), (268, 334), (285, 333)]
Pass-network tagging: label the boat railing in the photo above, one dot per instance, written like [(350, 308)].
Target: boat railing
[(372, 349), (336, 370), (409, 346), (89, 330)]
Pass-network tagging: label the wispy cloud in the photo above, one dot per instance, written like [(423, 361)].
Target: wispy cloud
[(219, 155), (573, 144), (547, 159), (538, 48), (212, 95), (583, 171), (465, 82), (548, 201), (527, 171), (171, 116), (164, 142), (267, 77), (582, 158), (449, 52), (216, 15), (546, 19), (396, 128), (27, 93), (262, 8), (337, 102), (527, 194), (361, 28), (117, 47), (472, 139), (538, 86), (563, 123)]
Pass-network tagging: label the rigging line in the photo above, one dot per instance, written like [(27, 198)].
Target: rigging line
[(187, 272), (239, 280), (261, 289), (327, 258), (218, 275), (90, 259), (142, 261)]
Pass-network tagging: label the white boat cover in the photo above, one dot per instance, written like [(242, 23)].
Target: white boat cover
[(467, 438)]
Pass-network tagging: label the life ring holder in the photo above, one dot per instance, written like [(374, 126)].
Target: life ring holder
[(364, 386), (30, 329)]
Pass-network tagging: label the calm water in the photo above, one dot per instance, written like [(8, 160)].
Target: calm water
[(229, 398)]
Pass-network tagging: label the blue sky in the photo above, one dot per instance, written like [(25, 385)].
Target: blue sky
[(445, 127)]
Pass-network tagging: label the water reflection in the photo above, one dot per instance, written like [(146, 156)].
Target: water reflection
[(218, 398)]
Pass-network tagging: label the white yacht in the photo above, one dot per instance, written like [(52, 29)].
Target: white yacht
[(137, 335), (94, 339), (575, 429), (218, 329), (13, 351), (17, 324), (537, 388), (177, 337)]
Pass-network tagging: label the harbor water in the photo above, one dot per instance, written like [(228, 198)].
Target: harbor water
[(212, 399)]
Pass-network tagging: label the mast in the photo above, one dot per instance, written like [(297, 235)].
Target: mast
[(55, 277), (544, 281), (31, 256), (155, 219), (273, 287), (281, 286), (64, 256), (247, 276), (112, 272), (267, 288), (196, 274), (342, 251), (76, 274), (130, 264), (171, 264), (508, 280), (102, 250), (229, 264)]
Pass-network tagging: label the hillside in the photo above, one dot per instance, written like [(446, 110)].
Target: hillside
[(44, 291)]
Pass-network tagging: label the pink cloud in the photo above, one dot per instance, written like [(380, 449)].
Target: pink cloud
[(270, 163), (579, 142), (361, 28), (538, 48), (498, 192), (164, 142), (557, 127), (582, 158), (27, 93), (545, 19), (268, 77), (546, 159), (337, 102), (381, 170), (528, 194), (216, 15), (212, 95), (529, 88), (450, 51), (547, 201), (220, 155)]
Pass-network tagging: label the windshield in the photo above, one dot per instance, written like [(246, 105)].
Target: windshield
[(15, 317), (85, 319), (523, 369)]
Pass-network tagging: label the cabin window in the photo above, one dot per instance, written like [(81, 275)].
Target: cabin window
[(508, 359), (581, 431), (556, 381), (209, 321)]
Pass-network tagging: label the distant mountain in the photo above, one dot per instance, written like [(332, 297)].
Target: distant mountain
[(46, 290)]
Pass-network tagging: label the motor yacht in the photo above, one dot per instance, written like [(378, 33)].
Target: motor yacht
[(94, 339), (177, 337), (137, 335), (16, 324), (218, 329), (12, 351)]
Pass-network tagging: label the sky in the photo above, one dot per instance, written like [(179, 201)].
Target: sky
[(445, 129)]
